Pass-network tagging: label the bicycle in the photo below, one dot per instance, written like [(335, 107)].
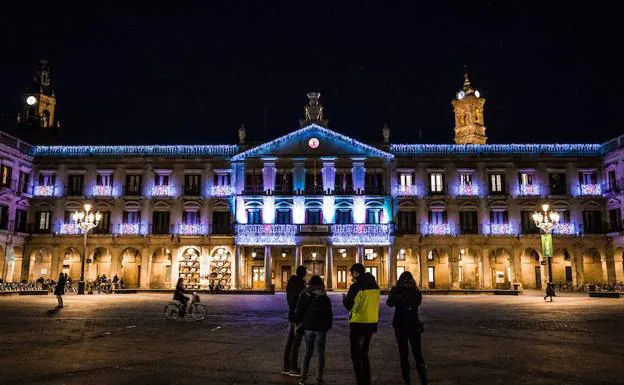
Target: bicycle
[(197, 310)]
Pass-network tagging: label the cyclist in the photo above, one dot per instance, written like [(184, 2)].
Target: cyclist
[(179, 295)]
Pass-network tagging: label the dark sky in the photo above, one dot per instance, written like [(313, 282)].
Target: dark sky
[(193, 71)]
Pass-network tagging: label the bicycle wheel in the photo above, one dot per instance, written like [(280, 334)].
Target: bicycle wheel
[(172, 311), (199, 312)]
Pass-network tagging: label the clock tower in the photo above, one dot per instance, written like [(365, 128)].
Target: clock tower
[(39, 100), (468, 108)]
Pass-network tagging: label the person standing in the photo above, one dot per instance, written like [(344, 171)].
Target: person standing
[(362, 301), (296, 284), (59, 290), (550, 291), (406, 298), (314, 314)]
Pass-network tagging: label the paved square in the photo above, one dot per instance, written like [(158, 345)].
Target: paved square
[(124, 339)]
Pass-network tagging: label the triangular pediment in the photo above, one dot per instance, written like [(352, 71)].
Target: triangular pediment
[(313, 140)]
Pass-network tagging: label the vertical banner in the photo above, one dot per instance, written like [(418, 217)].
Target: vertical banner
[(547, 245)]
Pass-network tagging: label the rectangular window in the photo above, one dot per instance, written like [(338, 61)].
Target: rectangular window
[(75, 184), (373, 216), (558, 183), (436, 183), (314, 217), (437, 217), (161, 180), (526, 178), (374, 182), (313, 181), (254, 217), (497, 184), (222, 179), (5, 176), (4, 217), (221, 222), (344, 217), (253, 182), (43, 221), (611, 180), (465, 179), (24, 180), (498, 217), (407, 222), (192, 184), (134, 184), (615, 220), (586, 177), (431, 276), (47, 179), (283, 217), (103, 226), (527, 223), (21, 217), (372, 270), (190, 217), (406, 179), (104, 180), (132, 217), (283, 182), (468, 223), (160, 222), (592, 222), (344, 182)]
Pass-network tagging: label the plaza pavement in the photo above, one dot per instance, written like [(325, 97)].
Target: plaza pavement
[(124, 339)]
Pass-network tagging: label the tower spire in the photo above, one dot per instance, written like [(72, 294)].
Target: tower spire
[(467, 85), (468, 108)]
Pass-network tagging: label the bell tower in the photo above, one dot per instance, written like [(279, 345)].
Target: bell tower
[(39, 102), (468, 108)]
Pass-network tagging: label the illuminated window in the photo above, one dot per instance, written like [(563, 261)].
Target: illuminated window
[(497, 183), (405, 179), (436, 182)]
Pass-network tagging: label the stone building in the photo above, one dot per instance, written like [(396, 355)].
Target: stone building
[(455, 215)]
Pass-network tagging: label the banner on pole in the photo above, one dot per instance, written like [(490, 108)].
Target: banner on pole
[(547, 245)]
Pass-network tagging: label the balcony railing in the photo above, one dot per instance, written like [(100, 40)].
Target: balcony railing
[(439, 229), (191, 229), (253, 190), (69, 229), (161, 229), (192, 190), (468, 190), (590, 190), (407, 190), (267, 234), (129, 229), (565, 229), (361, 234), (501, 229), (503, 192), (102, 191), (404, 230), (74, 191), (132, 190), (437, 190), (221, 191), (529, 190), (163, 191), (374, 190), (44, 190)]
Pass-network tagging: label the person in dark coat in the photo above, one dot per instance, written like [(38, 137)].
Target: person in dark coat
[(296, 284), (179, 295), (59, 290), (406, 298), (315, 316), (550, 291)]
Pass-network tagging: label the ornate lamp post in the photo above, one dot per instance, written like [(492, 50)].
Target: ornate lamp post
[(546, 221), (86, 220)]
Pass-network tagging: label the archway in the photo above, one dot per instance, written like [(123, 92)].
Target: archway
[(99, 263), (160, 269), (131, 268), (437, 274), (562, 266), (71, 263), (532, 270), (618, 260), (40, 264), (190, 268), (592, 266), (13, 268), (501, 268), (221, 267), (468, 273)]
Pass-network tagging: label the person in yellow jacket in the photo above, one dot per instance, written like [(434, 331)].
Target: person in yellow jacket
[(362, 301)]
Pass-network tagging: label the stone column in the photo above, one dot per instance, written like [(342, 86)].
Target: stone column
[(577, 255), (268, 174), (175, 266), (424, 272), (391, 267), (56, 260), (145, 268), (298, 256), (115, 262), (236, 268), (487, 270), (267, 267), (609, 265), (453, 268), (329, 268), (359, 258)]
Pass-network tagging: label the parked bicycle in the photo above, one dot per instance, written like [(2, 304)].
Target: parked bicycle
[(198, 311)]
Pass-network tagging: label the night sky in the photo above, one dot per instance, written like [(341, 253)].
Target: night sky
[(193, 71)]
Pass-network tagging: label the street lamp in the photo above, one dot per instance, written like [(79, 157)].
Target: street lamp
[(546, 221), (86, 220)]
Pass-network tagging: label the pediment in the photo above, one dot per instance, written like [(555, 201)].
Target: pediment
[(313, 140)]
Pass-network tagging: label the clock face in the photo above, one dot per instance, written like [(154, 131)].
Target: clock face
[(460, 95), (477, 93), (31, 100), (313, 143)]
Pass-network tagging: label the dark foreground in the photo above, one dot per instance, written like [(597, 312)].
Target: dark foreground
[(124, 339)]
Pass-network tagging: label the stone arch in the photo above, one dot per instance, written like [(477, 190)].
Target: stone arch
[(468, 265), (437, 270), (131, 267), (14, 257), (191, 269), (40, 264), (533, 273), (99, 263), (500, 263), (160, 265), (592, 266), (70, 262), (221, 267), (562, 265)]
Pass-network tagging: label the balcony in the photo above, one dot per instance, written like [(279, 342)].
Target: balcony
[(267, 234), (190, 229), (253, 190), (529, 190), (374, 190), (44, 190), (499, 193), (401, 229), (468, 190), (613, 186), (407, 190), (74, 191), (501, 229), (69, 229), (283, 190), (132, 190), (129, 229), (439, 229), (161, 229), (162, 191), (221, 191), (102, 191), (437, 190), (192, 191), (361, 234), (565, 229), (592, 190)]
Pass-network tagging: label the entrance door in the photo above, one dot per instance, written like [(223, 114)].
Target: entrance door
[(139, 276), (568, 273), (286, 272), (257, 277), (538, 278), (431, 277), (373, 271), (342, 278)]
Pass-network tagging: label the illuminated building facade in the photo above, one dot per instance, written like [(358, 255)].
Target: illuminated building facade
[(456, 216)]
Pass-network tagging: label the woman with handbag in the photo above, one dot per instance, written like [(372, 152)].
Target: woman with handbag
[(405, 298)]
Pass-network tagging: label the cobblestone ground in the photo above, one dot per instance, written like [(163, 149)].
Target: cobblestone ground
[(124, 339)]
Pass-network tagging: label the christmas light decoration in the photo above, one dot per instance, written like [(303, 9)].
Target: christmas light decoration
[(529, 190), (44, 191), (69, 228), (591, 190), (102, 191), (440, 229), (268, 234), (468, 190), (564, 229), (190, 229), (221, 191), (479, 149), (501, 229), (407, 191), (129, 228), (361, 234), (162, 191), (146, 150)]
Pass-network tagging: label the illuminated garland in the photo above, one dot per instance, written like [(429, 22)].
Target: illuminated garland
[(102, 191), (529, 190), (44, 191), (564, 229), (468, 190), (591, 189), (361, 234), (260, 235), (407, 191), (190, 229), (69, 229), (162, 191), (129, 228), (221, 191), (501, 229), (479, 149), (147, 150), (440, 229)]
